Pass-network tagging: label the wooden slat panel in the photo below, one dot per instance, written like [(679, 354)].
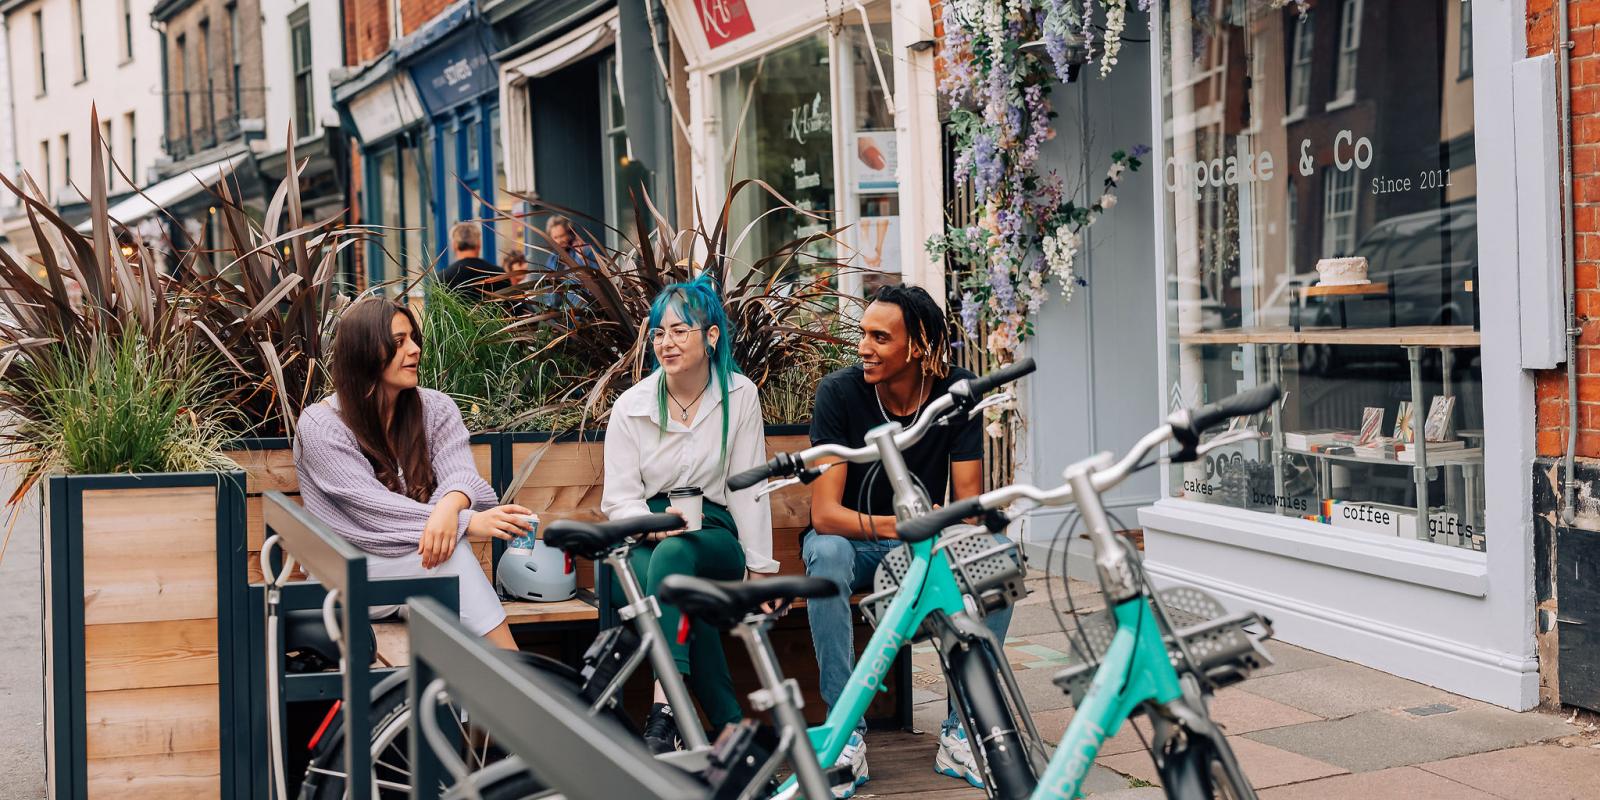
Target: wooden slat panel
[(483, 457), (267, 470), (519, 612), (394, 643), (191, 776), (791, 507), (147, 722), (566, 464), (786, 444), (150, 654), (563, 502), (149, 555), (255, 520)]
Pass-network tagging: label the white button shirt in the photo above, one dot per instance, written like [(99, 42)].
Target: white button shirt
[(642, 461)]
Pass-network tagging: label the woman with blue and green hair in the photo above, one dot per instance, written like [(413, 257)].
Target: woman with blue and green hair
[(693, 421)]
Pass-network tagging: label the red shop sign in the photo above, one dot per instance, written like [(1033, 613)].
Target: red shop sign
[(724, 20)]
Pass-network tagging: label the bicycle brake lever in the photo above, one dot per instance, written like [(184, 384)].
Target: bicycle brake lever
[(773, 486), (989, 402), (1228, 438)]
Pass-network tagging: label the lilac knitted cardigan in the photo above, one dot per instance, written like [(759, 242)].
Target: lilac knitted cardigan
[(339, 486)]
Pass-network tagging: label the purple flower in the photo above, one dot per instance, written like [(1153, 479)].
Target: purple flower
[(1140, 151), (969, 313)]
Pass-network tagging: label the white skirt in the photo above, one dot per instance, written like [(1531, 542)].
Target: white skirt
[(480, 605)]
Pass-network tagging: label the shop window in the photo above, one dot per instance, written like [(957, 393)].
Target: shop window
[(815, 119), (1331, 247), (1300, 67), (1338, 211), (778, 126), (1349, 49), (1464, 40)]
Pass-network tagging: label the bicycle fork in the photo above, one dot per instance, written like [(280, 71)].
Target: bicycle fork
[(989, 704)]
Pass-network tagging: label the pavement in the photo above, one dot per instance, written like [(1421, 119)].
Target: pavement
[(1310, 726), (22, 678)]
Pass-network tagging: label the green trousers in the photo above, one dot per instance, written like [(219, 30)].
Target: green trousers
[(712, 552)]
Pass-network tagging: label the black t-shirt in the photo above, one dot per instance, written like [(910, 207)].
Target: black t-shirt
[(472, 277), (847, 408)]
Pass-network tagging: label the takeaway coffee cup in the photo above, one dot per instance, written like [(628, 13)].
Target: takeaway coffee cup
[(526, 541), (688, 501)]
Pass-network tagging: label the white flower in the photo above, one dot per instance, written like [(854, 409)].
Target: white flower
[(1115, 173), (995, 430), (1108, 201)]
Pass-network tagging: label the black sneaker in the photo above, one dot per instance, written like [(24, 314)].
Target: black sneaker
[(661, 730)]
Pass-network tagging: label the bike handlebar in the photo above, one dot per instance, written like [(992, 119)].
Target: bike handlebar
[(1183, 425), (963, 395)]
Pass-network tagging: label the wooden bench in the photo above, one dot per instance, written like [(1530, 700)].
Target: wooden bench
[(567, 484)]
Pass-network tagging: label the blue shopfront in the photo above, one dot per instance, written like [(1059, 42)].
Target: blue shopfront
[(457, 82)]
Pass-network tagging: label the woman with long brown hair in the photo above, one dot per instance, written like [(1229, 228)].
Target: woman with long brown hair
[(387, 465)]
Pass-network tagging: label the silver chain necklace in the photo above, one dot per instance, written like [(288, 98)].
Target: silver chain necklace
[(914, 414)]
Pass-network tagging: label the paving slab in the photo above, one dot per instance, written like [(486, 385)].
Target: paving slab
[(1142, 793), (1409, 783), (1239, 711), (1288, 658), (1266, 766), (1343, 689), (1377, 740), (1547, 772)]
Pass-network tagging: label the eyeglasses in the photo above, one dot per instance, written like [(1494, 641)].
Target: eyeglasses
[(678, 333)]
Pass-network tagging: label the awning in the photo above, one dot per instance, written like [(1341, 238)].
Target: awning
[(169, 192), (515, 129)]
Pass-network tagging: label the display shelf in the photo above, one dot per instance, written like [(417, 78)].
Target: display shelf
[(1470, 455), (1435, 336), (1347, 290)]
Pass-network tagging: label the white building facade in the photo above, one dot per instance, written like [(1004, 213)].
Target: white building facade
[(63, 56)]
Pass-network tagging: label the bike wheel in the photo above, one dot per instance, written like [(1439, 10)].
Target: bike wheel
[(992, 727), (1201, 768), (390, 714)]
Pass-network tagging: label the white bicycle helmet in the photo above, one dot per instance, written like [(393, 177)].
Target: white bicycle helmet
[(542, 574)]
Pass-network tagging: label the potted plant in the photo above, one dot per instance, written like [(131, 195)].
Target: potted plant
[(117, 410)]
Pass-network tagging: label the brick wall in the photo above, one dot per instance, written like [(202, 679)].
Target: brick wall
[(1584, 19), (211, 114), (367, 24)]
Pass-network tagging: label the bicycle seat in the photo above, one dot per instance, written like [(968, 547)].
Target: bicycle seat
[(303, 631), (592, 540), (725, 603)]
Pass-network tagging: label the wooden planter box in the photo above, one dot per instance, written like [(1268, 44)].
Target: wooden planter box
[(144, 629)]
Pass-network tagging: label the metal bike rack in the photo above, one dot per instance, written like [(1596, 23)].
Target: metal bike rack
[(586, 758), (334, 565)]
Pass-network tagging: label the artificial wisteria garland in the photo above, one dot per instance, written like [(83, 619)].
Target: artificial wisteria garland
[(1029, 232)]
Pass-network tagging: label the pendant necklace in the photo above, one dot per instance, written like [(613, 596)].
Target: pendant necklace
[(684, 409)]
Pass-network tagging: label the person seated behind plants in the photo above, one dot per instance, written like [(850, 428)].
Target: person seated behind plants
[(904, 350), (386, 464), (691, 422)]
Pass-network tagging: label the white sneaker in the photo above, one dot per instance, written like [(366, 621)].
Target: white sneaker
[(854, 754), (955, 758)]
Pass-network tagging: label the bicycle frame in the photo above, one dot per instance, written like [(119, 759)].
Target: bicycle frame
[(1136, 669)]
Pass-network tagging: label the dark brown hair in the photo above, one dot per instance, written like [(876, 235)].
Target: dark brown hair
[(363, 346)]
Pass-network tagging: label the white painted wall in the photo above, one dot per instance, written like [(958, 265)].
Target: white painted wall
[(114, 85), (277, 56)]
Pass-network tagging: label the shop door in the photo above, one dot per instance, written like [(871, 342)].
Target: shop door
[(1097, 353)]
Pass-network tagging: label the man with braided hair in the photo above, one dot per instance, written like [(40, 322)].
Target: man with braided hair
[(905, 363)]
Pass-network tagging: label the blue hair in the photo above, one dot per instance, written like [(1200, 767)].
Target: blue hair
[(698, 303)]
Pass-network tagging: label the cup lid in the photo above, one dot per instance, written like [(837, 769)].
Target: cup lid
[(684, 491)]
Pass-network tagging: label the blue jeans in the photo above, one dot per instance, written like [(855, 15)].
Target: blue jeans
[(852, 563)]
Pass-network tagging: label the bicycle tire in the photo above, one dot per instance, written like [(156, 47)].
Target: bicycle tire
[(390, 713), (1197, 770), (975, 680)]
